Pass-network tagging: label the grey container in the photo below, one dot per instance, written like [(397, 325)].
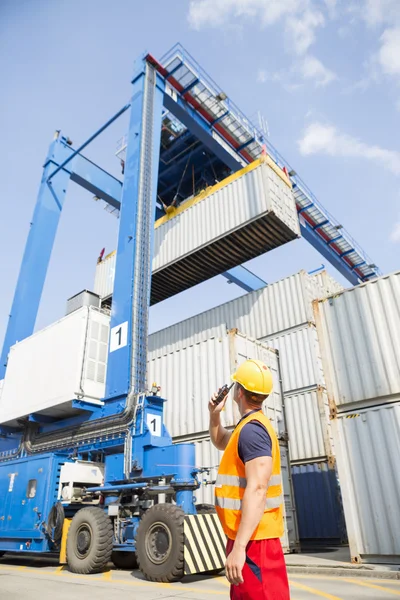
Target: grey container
[(359, 333), (277, 308), (368, 448), (300, 358), (189, 373), (84, 298), (308, 426)]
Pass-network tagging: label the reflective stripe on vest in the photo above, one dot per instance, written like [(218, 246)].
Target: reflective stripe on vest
[(231, 504), (231, 484), (242, 482)]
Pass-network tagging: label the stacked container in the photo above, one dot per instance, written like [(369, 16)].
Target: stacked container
[(281, 316), (359, 331), (189, 373)]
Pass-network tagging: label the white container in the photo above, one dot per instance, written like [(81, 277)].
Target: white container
[(300, 358), (190, 373), (242, 217), (247, 214), (327, 282), (104, 276), (278, 307), (368, 447), (359, 333), (208, 456), (308, 426), (53, 367)]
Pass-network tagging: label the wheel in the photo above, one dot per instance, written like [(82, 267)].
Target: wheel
[(160, 543), (55, 522), (124, 560), (89, 541), (2, 554)]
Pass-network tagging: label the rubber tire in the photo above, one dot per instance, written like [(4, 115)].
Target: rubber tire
[(125, 560), (173, 568), (102, 541), (55, 521)]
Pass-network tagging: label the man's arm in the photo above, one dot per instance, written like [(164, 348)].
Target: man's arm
[(219, 435), (258, 473)]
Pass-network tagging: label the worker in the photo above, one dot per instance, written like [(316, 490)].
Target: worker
[(248, 490)]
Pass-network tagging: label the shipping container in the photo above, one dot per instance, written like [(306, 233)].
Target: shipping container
[(278, 307), (319, 505), (190, 373), (207, 456), (64, 362), (300, 358), (359, 333), (327, 282), (308, 426), (84, 298), (243, 216), (368, 448)]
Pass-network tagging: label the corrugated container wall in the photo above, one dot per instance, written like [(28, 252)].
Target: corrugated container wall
[(368, 448), (300, 358), (190, 373), (276, 308), (359, 332), (208, 456), (258, 191), (308, 426)]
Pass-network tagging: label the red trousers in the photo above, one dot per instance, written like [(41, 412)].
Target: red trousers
[(264, 572)]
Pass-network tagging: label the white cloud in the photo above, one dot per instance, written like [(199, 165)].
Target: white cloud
[(326, 139), (301, 30), (312, 69), (214, 13), (389, 52), (301, 17), (262, 76), (395, 235), (378, 12), (284, 78)]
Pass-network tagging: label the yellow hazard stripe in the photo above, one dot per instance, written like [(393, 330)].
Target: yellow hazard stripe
[(63, 550), (204, 544)]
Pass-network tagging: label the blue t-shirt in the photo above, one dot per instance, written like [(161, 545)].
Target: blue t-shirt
[(254, 441)]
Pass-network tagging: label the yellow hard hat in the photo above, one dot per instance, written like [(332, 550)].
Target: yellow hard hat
[(255, 377)]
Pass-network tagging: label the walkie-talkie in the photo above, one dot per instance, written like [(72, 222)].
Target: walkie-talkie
[(223, 393)]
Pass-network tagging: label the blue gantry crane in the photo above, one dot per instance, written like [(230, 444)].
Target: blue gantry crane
[(105, 480)]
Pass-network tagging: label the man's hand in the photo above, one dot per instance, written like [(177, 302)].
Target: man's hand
[(234, 565), (219, 435), (215, 409)]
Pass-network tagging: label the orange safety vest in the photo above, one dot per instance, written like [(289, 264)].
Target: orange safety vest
[(231, 483)]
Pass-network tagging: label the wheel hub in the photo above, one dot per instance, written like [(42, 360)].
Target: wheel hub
[(83, 540), (158, 543)]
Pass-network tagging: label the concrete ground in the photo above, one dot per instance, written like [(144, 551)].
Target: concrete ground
[(38, 579)]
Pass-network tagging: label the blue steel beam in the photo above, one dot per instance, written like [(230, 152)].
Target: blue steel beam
[(244, 279), (127, 358), (203, 131), (38, 250), (96, 181), (323, 248)]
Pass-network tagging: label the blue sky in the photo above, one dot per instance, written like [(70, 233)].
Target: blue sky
[(325, 74)]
